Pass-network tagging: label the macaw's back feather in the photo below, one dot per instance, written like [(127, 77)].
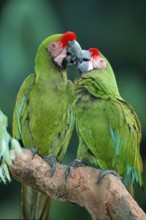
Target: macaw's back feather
[(108, 128), (43, 115)]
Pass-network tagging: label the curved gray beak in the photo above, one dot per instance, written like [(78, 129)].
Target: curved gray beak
[(74, 50)]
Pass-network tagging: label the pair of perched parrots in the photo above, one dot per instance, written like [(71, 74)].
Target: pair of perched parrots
[(49, 105)]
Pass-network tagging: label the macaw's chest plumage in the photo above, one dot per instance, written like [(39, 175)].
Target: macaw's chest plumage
[(45, 115), (108, 129)]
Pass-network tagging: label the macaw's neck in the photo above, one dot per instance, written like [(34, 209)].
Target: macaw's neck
[(46, 69)]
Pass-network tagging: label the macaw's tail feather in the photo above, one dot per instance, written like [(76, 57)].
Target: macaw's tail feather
[(131, 190), (34, 205)]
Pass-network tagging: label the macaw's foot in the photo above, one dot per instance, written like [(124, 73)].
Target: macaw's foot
[(52, 161), (73, 165), (106, 172), (34, 151)]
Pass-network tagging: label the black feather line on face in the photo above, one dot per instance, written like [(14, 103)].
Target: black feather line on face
[(54, 50), (59, 68)]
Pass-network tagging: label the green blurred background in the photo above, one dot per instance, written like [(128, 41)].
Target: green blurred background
[(117, 28)]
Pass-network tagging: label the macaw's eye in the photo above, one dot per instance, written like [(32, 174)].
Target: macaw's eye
[(53, 45)]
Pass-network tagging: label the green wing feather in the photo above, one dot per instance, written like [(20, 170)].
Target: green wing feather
[(20, 106)]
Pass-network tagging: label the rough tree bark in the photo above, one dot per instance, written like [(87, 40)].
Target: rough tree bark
[(108, 200)]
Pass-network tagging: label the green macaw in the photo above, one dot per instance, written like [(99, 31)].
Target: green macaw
[(108, 128), (8, 147), (43, 115)]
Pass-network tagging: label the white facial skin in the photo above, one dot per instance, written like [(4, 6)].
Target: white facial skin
[(60, 57), (57, 52), (98, 63), (55, 48)]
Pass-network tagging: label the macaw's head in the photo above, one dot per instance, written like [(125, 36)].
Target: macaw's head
[(64, 50), (98, 62), (91, 59), (54, 48)]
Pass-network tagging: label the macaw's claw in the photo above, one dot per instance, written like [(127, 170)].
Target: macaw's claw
[(106, 172), (52, 161), (34, 151), (73, 165)]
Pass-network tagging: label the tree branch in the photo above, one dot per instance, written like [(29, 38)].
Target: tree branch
[(108, 200)]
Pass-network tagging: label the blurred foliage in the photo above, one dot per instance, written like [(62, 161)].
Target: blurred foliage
[(117, 28)]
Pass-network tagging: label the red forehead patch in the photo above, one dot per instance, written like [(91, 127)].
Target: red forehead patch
[(94, 52), (68, 36)]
